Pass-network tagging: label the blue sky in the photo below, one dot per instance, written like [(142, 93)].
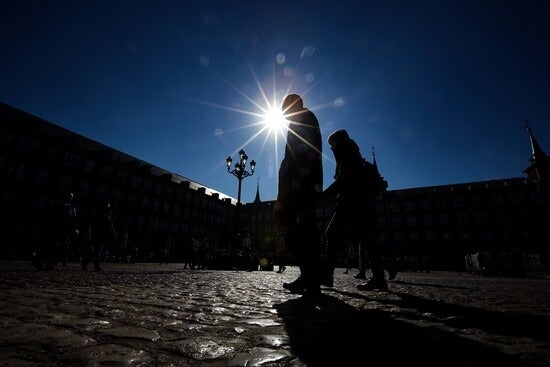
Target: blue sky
[(440, 89)]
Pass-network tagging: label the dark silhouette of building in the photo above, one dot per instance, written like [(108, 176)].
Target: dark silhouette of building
[(155, 208)]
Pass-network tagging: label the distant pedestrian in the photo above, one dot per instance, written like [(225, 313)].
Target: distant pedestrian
[(246, 250), (280, 253), (70, 228), (195, 253), (204, 252), (351, 256), (103, 234), (60, 232), (188, 254), (165, 252)]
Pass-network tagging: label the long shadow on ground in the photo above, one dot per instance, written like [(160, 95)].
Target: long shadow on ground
[(513, 324), (337, 334)]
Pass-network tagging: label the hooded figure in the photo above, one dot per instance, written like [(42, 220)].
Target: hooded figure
[(355, 215)]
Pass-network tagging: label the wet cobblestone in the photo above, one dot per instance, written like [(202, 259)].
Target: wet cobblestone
[(164, 315)]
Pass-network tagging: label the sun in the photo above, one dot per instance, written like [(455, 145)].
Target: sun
[(274, 120)]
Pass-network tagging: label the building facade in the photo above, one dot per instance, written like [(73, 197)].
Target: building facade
[(154, 209), (158, 210)]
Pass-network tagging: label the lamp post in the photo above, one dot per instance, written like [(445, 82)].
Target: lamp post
[(240, 170), (241, 173)]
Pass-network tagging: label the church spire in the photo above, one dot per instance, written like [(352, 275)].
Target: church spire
[(536, 151), (257, 199), (539, 169)]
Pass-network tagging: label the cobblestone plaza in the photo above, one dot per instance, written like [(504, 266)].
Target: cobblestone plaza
[(162, 315)]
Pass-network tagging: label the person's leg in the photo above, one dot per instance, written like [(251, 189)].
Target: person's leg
[(390, 263), (311, 256), (366, 226), (332, 235), (98, 249), (374, 258), (292, 240), (377, 281), (363, 261)]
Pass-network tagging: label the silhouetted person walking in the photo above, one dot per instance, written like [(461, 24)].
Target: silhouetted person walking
[(70, 228), (300, 184), (355, 188), (280, 250), (60, 231), (103, 234)]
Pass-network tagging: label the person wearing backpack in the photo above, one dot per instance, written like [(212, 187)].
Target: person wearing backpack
[(355, 188)]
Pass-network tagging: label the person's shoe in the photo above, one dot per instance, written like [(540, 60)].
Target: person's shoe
[(296, 286), (373, 284), (360, 276)]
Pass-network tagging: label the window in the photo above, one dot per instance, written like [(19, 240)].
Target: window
[(462, 218), (521, 215), (501, 216), (496, 199), (21, 171), (425, 205), (135, 181), (106, 172), (89, 167), (459, 202), (477, 200), (71, 160), (516, 197), (396, 220), (481, 217), (428, 221), (43, 177)]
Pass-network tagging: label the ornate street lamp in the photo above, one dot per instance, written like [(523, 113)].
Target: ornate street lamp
[(240, 170)]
